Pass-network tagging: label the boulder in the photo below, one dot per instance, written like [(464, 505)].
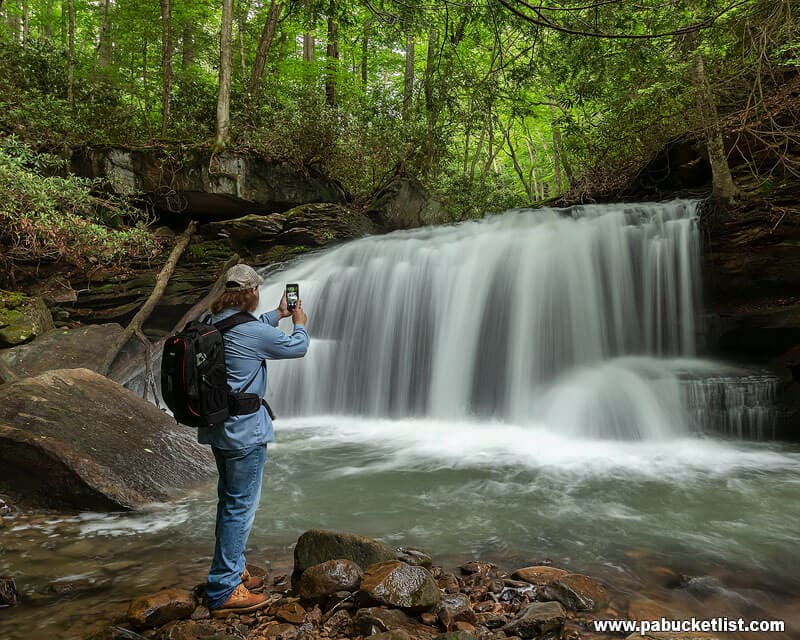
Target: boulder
[(79, 348), (22, 318), (160, 608), (397, 584), (71, 437), (538, 619), (323, 580), (576, 592), (456, 608), (414, 557), (538, 575), (204, 184), (373, 620), (316, 546), (404, 203)]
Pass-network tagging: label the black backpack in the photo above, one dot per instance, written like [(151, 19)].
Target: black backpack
[(194, 381)]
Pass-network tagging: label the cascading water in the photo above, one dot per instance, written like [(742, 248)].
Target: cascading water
[(583, 320)]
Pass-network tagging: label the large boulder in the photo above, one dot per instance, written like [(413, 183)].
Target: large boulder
[(79, 348), (404, 203), (71, 437), (576, 592), (199, 183), (536, 620), (22, 318), (160, 608), (316, 546), (397, 584)]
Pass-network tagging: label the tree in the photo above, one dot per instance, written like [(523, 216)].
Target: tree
[(332, 55), (225, 63), (264, 46), (104, 46), (166, 63), (71, 51), (408, 77)]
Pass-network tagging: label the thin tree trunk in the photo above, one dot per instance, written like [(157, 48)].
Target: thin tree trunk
[(64, 12), (145, 95), (264, 46), (365, 51), (104, 44), (225, 64), (71, 52), (166, 63), (47, 30), (244, 10), (526, 184), (556, 153), (308, 36), (408, 78), (723, 186), (26, 21), (332, 55)]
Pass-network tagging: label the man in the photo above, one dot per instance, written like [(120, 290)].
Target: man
[(240, 444)]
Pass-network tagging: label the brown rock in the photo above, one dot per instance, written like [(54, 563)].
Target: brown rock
[(484, 568), (291, 612), (339, 624), (187, 630), (576, 592), (538, 575), (325, 579), (414, 557), (373, 620), (400, 585), (458, 607), (466, 627), (317, 546), (538, 619), (448, 583), (162, 607), (8, 591), (281, 631), (646, 609)]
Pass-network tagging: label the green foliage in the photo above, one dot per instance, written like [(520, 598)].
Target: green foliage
[(48, 217)]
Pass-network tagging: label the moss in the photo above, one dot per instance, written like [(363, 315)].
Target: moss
[(12, 299)]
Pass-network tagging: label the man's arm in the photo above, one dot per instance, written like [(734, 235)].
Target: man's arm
[(276, 345), (270, 317)]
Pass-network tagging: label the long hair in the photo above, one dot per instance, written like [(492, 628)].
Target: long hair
[(246, 300)]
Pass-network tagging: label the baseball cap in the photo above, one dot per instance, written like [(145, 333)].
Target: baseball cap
[(241, 277)]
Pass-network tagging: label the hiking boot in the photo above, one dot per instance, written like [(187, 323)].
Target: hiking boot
[(241, 601), (251, 582)]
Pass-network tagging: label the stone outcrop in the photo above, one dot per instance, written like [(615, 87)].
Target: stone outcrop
[(193, 181), (77, 348), (22, 318), (404, 203), (71, 437)]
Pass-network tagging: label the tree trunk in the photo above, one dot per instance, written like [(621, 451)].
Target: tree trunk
[(225, 64), (557, 153), (723, 186), (166, 63), (308, 36), (71, 51), (145, 96), (264, 46), (47, 30), (244, 10), (332, 55), (64, 12), (187, 47), (408, 78), (104, 44), (365, 51), (26, 21)]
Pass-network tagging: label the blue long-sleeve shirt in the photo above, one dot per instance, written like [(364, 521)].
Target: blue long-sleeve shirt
[(246, 347)]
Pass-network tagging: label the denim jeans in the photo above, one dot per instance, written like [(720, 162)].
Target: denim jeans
[(238, 491)]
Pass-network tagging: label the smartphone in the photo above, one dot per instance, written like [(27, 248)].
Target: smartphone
[(292, 295)]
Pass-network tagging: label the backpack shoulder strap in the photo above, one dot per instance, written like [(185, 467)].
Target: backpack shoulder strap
[(235, 320)]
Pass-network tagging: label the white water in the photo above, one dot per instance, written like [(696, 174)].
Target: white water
[(583, 323)]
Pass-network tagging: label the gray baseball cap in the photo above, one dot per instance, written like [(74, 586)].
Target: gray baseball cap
[(241, 277)]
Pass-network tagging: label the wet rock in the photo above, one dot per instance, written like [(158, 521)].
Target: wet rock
[(456, 607), (22, 318), (414, 557), (317, 546), (456, 635), (79, 348), (73, 438), (282, 631), (400, 585), (404, 203), (538, 619), (8, 591), (646, 609), (325, 579), (291, 612), (429, 618), (538, 575), (201, 613), (576, 592), (448, 583), (187, 630), (159, 608), (373, 620), (482, 568), (339, 624), (391, 635)]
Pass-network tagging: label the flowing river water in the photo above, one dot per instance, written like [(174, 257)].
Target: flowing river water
[(517, 389)]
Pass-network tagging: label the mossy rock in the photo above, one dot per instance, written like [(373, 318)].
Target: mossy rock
[(22, 318)]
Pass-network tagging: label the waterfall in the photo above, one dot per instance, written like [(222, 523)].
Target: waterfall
[(569, 317)]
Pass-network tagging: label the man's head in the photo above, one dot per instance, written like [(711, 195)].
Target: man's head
[(241, 290)]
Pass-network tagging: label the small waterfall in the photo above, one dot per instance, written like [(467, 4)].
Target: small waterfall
[(570, 317)]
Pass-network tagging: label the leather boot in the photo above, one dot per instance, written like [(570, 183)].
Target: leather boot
[(241, 601)]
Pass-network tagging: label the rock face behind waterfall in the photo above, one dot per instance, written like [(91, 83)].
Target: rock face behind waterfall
[(71, 437)]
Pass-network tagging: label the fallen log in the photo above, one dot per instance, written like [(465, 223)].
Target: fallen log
[(158, 291), (205, 304)]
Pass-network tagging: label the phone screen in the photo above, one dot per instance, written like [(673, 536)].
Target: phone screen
[(292, 295)]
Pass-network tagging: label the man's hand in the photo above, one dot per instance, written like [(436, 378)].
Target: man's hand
[(298, 315), (283, 307)]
